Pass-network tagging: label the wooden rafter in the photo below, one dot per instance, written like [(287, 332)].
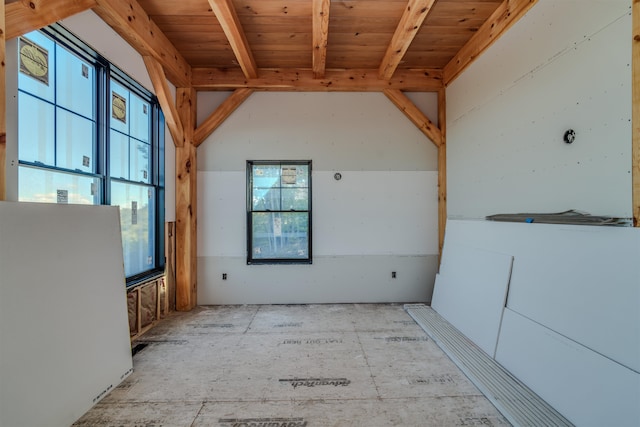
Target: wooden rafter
[(442, 169), (3, 109), (133, 24), (320, 36), (226, 14), (411, 21), (507, 14), (303, 80), (24, 16), (171, 116), (635, 149), (414, 114), (220, 115)]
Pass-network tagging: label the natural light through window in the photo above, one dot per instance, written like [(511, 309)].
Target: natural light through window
[(89, 134)]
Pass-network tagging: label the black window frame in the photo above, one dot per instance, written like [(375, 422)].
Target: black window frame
[(104, 72), (251, 211)]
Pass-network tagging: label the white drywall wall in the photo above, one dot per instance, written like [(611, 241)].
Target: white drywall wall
[(589, 389), (380, 217), (564, 65), (471, 290), (580, 281), (573, 329), (64, 335)]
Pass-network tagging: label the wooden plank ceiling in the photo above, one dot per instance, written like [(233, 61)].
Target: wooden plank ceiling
[(358, 44), (304, 45)]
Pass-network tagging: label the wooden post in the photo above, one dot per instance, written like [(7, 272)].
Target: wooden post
[(635, 134), (186, 207), (170, 266), (3, 109), (442, 168)]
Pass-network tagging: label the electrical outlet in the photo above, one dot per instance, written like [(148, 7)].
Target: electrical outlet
[(224, 276), (393, 274)]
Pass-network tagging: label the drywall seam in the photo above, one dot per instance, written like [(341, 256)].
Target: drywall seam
[(572, 340)]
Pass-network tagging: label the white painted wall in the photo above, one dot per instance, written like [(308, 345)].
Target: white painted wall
[(381, 217), (566, 64)]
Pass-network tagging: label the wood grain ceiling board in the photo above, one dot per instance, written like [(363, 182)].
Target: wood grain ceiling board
[(180, 8), (448, 27), (374, 20), (279, 32), (194, 30)]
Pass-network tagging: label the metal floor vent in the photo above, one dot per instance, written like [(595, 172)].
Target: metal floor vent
[(518, 404)]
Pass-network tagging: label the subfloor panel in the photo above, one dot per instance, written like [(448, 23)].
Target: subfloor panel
[(313, 365)]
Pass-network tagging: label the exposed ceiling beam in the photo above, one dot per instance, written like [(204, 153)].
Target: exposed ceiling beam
[(226, 14), (320, 36), (414, 114), (303, 80), (24, 16), (411, 21), (171, 116), (221, 113), (507, 14), (133, 24)]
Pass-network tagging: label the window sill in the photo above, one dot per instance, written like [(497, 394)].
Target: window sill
[(140, 279)]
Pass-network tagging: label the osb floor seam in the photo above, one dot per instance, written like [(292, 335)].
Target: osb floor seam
[(373, 378), (310, 365)]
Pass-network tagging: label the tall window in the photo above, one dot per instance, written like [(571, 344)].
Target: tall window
[(278, 212), (57, 124), (89, 134)]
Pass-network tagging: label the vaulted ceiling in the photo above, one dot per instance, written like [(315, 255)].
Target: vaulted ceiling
[(355, 45)]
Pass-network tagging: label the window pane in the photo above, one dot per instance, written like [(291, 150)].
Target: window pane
[(43, 185), (266, 176), (36, 59), (295, 175), (296, 199), (266, 187), (119, 108), (140, 163), (266, 199), (280, 235), (140, 113), (76, 147), (137, 208), (35, 130), (75, 87), (118, 155)]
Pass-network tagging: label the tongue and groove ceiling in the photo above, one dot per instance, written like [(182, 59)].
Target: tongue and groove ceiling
[(358, 40), (305, 45), (280, 33)]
